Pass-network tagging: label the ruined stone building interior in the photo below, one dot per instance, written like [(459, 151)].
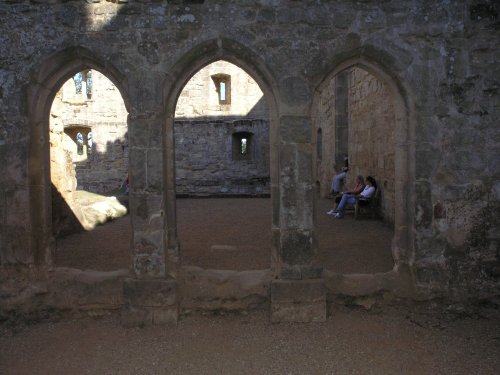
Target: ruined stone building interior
[(221, 151), (178, 155)]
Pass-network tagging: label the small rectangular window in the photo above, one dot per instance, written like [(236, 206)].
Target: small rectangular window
[(222, 92), (223, 87), (242, 146)]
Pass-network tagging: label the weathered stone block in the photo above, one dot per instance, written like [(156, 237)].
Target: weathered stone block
[(138, 168), (296, 129), (149, 265), (136, 317), (150, 292), (298, 301), (168, 315), (296, 246), (155, 170)]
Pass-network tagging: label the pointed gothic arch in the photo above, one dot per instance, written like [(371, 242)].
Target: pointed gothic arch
[(45, 83), (179, 75), (387, 70)]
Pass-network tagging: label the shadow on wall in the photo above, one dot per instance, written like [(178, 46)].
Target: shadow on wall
[(64, 221), (103, 172), (74, 207)]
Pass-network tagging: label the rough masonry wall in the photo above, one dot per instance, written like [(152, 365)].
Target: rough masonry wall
[(324, 119), (205, 130), (371, 135), (440, 56), (104, 167), (206, 163), (199, 97)]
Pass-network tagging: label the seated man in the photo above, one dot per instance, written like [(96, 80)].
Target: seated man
[(339, 178), (367, 193), (360, 185)]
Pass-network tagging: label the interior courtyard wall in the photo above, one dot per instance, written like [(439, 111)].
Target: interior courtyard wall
[(206, 134), (200, 98), (103, 164), (441, 56), (324, 119), (207, 163), (371, 135)]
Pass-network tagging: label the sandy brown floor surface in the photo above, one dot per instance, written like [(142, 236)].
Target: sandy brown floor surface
[(235, 233), (352, 341)]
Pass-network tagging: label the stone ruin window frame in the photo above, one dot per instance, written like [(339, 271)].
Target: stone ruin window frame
[(237, 144), (221, 81), (72, 132), (79, 78)]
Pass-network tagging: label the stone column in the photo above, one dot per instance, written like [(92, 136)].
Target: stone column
[(299, 294), (151, 296)]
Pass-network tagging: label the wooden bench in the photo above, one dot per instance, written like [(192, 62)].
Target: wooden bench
[(369, 207)]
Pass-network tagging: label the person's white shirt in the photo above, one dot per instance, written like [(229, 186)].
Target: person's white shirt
[(368, 191)]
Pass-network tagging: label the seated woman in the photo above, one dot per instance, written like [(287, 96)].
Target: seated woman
[(360, 185), (367, 193)]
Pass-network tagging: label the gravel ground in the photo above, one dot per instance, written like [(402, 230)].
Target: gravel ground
[(235, 233), (352, 341)]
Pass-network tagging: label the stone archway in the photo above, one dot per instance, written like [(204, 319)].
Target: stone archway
[(152, 296), (221, 49), (47, 80), (399, 279)]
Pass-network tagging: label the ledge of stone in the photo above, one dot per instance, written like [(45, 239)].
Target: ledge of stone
[(398, 282), (71, 288), (223, 289)]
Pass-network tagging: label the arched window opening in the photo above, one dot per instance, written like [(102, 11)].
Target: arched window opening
[(88, 168), (223, 151), (83, 83), (355, 124)]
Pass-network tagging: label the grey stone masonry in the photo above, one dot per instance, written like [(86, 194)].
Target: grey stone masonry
[(209, 159), (298, 301), (439, 65), (147, 302)]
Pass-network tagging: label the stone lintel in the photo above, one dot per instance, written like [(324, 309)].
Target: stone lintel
[(298, 301)]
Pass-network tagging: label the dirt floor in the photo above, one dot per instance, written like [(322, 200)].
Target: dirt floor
[(235, 233), (352, 341)]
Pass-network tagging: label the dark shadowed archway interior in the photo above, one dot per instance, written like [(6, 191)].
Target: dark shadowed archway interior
[(354, 123)]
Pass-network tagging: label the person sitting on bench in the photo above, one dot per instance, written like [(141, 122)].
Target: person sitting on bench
[(367, 193), (339, 178), (360, 185)]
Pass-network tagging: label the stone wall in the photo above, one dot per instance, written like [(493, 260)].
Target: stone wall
[(439, 60), (356, 117), (204, 154), (103, 164), (371, 135), (324, 124), (199, 98), (208, 162), (206, 133)]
